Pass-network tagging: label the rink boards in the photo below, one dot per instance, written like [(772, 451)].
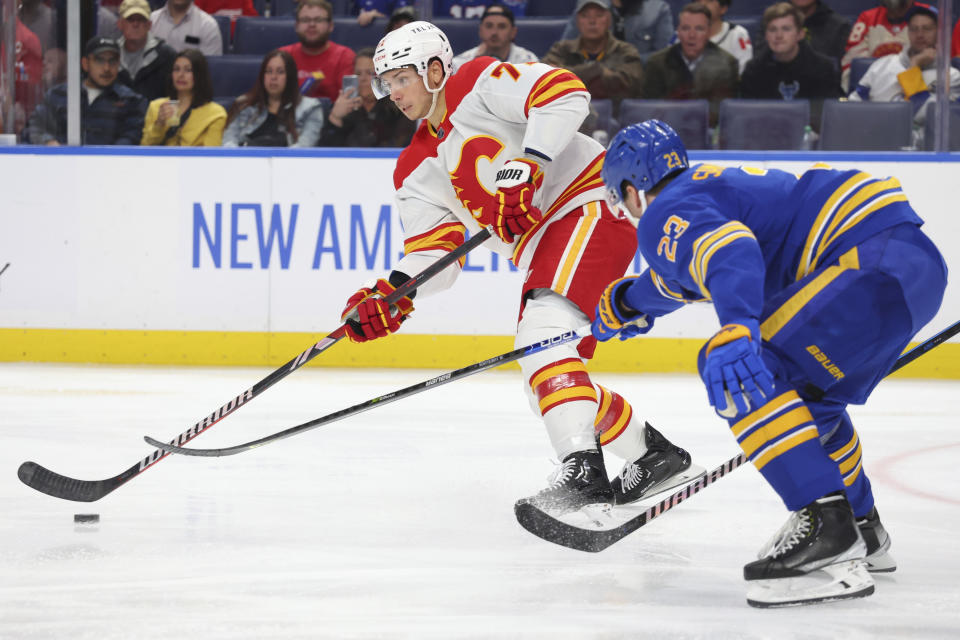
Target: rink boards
[(214, 256)]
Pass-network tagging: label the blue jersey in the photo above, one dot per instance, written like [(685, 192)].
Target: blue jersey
[(737, 236), (386, 7), (474, 8)]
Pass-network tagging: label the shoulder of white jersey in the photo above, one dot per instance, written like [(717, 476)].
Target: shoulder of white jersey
[(542, 84), (538, 84)]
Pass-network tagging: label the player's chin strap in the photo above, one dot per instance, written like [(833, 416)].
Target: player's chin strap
[(434, 93)]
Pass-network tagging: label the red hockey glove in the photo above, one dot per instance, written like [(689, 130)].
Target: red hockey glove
[(368, 316), (514, 213)]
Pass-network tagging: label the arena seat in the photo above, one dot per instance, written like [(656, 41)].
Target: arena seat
[(858, 67), (866, 126), (763, 124), (225, 101), (928, 133), (688, 117), (233, 75), (223, 22), (537, 34), (257, 36), (605, 120), (347, 32), (462, 32), (852, 7), (550, 8), (282, 8)]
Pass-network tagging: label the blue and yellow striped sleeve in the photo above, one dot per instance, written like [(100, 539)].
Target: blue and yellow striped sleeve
[(725, 265)]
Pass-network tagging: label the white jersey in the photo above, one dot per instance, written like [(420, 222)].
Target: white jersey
[(891, 77), (735, 40), (517, 55), (496, 111)]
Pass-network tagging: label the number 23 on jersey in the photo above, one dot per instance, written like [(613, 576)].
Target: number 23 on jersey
[(673, 228)]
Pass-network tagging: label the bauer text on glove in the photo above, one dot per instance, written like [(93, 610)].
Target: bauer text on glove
[(514, 213)]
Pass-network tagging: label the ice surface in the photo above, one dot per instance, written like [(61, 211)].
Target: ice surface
[(398, 523)]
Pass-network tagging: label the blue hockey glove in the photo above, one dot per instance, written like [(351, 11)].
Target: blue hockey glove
[(733, 367), (614, 317)]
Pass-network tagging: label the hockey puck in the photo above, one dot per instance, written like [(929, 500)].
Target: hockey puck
[(86, 518)]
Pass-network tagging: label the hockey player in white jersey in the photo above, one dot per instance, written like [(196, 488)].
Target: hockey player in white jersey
[(498, 148)]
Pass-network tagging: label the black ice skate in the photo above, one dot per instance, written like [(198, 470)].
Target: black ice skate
[(662, 467), (878, 543), (579, 481), (816, 557)]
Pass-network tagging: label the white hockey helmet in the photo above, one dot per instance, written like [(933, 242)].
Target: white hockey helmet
[(413, 45)]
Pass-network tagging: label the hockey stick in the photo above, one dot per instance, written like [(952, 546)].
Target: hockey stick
[(553, 530), (42, 479), (469, 370)]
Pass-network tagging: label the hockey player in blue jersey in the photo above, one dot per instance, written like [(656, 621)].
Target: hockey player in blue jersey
[(819, 282)]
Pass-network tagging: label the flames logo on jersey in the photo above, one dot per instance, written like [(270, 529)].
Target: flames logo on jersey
[(472, 195)]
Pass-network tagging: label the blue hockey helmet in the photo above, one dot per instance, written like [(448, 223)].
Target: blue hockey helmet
[(643, 154)]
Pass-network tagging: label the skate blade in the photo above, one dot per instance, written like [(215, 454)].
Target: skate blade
[(600, 516), (606, 516), (841, 581), (686, 476), (881, 562)]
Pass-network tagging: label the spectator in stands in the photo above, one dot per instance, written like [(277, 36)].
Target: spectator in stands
[(732, 38), (145, 60), (473, 8), (321, 63), (187, 116), (110, 113), (609, 68), (400, 17), (789, 68), (107, 23), (694, 67), (912, 73), (827, 30), (232, 8), (878, 32), (185, 26), (54, 68), (369, 10), (273, 113), (497, 30), (363, 121), (41, 20), (27, 74), (646, 24)]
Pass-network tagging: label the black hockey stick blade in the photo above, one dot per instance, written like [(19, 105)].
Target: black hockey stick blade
[(51, 483), (559, 532), (393, 396), (43, 480), (551, 529)]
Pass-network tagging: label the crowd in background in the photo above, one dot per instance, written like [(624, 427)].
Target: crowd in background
[(147, 78)]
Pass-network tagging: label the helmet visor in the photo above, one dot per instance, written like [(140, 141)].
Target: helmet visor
[(394, 79)]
